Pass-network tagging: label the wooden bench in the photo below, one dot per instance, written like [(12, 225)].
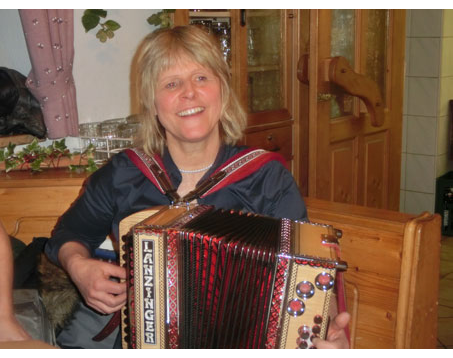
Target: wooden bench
[(392, 283), (393, 278)]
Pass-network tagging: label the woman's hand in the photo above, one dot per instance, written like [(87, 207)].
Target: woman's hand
[(336, 336), (11, 330), (93, 278)]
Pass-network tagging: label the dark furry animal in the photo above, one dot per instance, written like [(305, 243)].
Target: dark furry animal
[(59, 294), (20, 112)]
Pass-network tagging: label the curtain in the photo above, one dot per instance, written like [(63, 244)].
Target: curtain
[(49, 35)]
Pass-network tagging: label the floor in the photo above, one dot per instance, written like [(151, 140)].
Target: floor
[(445, 329)]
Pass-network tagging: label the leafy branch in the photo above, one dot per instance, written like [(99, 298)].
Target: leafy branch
[(36, 158), (161, 19), (92, 18), (88, 155)]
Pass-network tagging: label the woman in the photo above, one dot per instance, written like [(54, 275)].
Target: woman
[(192, 119), (10, 328)]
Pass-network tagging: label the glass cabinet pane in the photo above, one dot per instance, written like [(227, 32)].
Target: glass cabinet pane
[(217, 23), (264, 60), (343, 34), (376, 52), (342, 44)]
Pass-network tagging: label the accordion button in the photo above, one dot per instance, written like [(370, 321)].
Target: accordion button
[(317, 319), (301, 343), (305, 289), (316, 329), (296, 307), (304, 332), (324, 281)]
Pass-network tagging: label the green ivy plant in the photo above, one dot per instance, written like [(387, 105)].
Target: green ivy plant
[(37, 157), (162, 19), (87, 154), (92, 18)]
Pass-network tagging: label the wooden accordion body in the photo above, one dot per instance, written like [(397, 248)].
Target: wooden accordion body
[(204, 278)]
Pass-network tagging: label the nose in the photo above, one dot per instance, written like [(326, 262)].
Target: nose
[(188, 90)]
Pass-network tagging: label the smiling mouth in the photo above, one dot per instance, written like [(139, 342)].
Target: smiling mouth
[(191, 111)]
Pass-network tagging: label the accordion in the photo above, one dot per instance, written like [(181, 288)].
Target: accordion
[(199, 277)]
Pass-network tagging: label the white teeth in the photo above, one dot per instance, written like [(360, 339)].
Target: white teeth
[(191, 111)]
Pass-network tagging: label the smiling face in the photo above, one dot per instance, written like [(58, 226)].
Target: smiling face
[(188, 103), (174, 50)]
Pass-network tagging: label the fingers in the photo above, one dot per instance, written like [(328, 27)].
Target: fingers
[(115, 270), (93, 278), (105, 295), (342, 320), (322, 344), (107, 303), (336, 336)]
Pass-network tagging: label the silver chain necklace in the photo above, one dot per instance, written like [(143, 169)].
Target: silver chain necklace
[(184, 171)]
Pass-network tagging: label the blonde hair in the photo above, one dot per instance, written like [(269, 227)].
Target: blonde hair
[(161, 50)]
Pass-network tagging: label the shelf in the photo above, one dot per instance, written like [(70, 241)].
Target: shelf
[(16, 139), (263, 68), (49, 176), (210, 14)]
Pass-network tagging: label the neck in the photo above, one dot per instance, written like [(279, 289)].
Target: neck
[(193, 156)]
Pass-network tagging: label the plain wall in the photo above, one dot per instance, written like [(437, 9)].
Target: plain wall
[(101, 70)]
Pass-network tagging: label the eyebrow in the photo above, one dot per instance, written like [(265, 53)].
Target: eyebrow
[(201, 70)]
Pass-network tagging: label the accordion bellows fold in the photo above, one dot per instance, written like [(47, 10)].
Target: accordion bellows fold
[(199, 277)]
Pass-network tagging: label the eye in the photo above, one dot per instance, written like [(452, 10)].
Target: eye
[(202, 78), (171, 85)]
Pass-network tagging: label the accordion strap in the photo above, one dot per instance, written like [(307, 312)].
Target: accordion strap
[(152, 167), (235, 169), (341, 300), (109, 328)]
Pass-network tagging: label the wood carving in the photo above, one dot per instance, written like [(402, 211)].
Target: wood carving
[(302, 69), (342, 74)]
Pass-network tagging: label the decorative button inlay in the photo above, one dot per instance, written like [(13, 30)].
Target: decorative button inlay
[(296, 307), (305, 289), (324, 281)]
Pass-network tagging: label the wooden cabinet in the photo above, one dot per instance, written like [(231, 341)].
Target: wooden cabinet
[(257, 45), (31, 204)]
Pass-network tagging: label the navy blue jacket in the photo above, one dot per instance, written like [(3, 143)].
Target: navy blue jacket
[(119, 189)]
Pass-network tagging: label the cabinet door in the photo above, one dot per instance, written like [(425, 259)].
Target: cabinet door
[(267, 84)]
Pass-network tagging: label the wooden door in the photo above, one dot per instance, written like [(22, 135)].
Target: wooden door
[(355, 71)]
